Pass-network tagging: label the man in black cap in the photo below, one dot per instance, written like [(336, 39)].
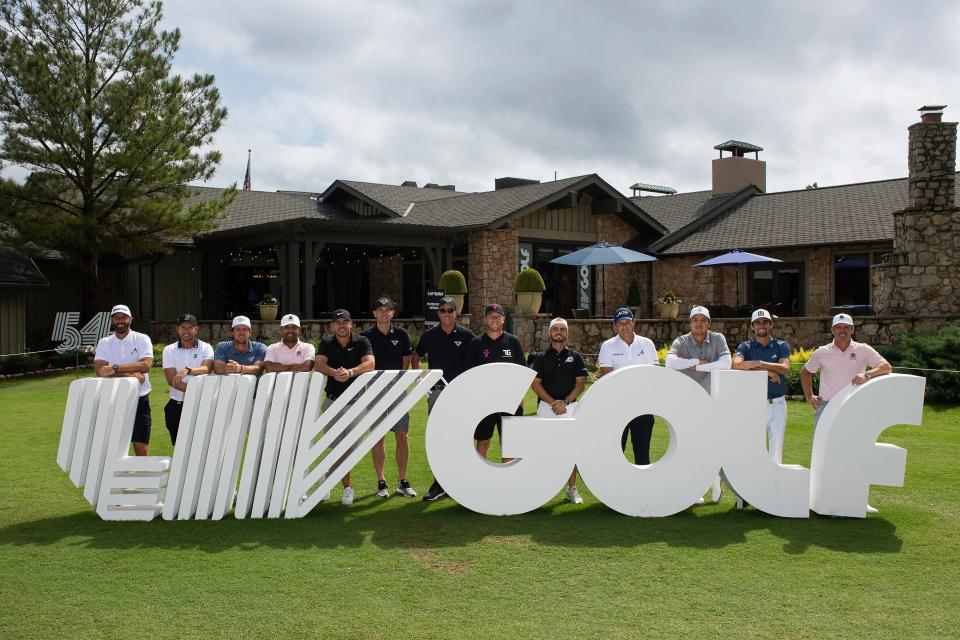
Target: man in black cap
[(495, 345), (185, 358), (391, 352), (342, 357), (445, 345)]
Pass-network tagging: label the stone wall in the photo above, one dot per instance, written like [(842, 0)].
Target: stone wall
[(386, 278), (920, 275), (614, 230), (492, 260)]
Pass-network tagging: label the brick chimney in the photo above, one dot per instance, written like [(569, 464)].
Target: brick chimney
[(736, 171), (921, 275)]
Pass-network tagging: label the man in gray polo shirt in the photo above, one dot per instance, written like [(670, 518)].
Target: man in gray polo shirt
[(697, 354)]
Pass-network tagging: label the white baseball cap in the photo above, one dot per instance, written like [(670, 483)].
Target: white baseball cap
[(698, 310), (241, 321), (121, 308), (760, 313), (289, 319), (557, 322), (842, 318)]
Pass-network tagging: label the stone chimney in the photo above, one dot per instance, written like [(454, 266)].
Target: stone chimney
[(736, 171), (921, 276)]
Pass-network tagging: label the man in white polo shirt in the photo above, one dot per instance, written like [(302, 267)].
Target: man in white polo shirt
[(840, 363), (183, 359), (126, 353), (622, 350), (290, 354)]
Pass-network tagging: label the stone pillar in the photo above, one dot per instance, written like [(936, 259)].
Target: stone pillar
[(386, 278), (492, 260), (920, 276)]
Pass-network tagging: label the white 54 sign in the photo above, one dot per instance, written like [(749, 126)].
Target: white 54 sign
[(264, 449)]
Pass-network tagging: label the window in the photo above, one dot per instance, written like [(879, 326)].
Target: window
[(776, 288), (851, 279)]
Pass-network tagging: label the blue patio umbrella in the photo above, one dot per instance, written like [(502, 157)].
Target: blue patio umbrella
[(735, 258), (602, 253)]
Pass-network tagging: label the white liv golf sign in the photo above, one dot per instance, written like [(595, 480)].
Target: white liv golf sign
[(264, 449)]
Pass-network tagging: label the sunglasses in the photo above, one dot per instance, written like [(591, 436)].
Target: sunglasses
[(445, 310)]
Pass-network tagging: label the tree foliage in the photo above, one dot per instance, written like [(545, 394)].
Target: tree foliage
[(110, 137)]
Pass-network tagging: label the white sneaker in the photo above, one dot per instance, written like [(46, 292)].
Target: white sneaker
[(573, 496), (872, 509), (347, 497), (382, 489), (405, 490), (700, 501)]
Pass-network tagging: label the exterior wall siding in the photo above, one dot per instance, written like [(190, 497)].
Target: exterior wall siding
[(13, 310)]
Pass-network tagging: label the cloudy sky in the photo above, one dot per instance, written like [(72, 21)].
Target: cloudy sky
[(463, 92)]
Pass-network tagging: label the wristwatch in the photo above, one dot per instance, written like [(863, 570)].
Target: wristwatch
[(868, 374), (189, 371), (116, 368)]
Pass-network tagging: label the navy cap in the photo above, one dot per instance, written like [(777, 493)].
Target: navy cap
[(187, 317), (384, 302), (448, 300), (341, 314), (493, 308), (622, 313)]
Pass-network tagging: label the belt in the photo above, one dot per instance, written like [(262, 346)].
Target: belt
[(176, 401), (773, 400), (437, 387)]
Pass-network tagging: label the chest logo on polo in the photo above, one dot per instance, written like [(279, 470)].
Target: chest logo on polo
[(395, 342), (486, 353), (569, 359), (853, 356), (458, 342), (507, 353)]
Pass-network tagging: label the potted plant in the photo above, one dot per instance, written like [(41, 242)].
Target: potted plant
[(529, 287), (633, 297), (268, 306), (669, 305), (454, 285)]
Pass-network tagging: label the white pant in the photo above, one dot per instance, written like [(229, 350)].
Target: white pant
[(776, 427), (544, 410)]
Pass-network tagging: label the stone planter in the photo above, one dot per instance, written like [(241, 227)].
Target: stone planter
[(529, 301), (268, 311), (669, 311)]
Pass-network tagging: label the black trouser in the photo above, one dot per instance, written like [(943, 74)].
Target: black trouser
[(171, 413), (640, 430)]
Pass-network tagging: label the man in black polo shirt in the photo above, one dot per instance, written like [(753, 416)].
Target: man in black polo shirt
[(446, 347), (495, 345), (342, 357), (391, 352), (561, 378)]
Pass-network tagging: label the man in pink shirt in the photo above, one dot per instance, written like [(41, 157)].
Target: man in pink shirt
[(290, 354), (840, 363)]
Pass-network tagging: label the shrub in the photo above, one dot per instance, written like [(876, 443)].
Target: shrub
[(71, 359), (633, 295), (529, 281), (453, 283), (930, 351), (157, 354), (18, 364)]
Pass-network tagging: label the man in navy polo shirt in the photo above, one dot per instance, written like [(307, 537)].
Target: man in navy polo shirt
[(342, 357), (445, 346), (561, 378), (240, 355), (391, 352), (495, 345)]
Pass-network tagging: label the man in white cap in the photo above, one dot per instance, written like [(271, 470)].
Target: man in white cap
[(183, 359), (240, 355), (697, 354), (622, 350), (561, 378), (766, 353), (841, 362), (126, 353), (391, 352), (291, 353)]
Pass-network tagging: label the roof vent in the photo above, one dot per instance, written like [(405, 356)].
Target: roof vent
[(637, 187), (507, 183), (431, 185), (408, 183)]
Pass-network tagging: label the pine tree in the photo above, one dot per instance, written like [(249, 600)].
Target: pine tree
[(110, 138)]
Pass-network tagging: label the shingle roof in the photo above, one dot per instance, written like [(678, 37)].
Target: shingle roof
[(677, 211), (254, 208), (18, 270), (844, 214), (397, 197)]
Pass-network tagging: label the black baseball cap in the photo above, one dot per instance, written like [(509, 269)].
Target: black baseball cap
[(448, 300), (187, 317), (384, 302), (493, 308), (342, 314)]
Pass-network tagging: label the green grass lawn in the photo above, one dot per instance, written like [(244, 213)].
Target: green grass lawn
[(403, 568)]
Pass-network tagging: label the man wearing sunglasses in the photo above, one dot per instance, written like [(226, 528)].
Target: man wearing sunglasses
[(445, 347)]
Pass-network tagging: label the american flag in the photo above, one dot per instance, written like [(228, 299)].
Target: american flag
[(246, 178)]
